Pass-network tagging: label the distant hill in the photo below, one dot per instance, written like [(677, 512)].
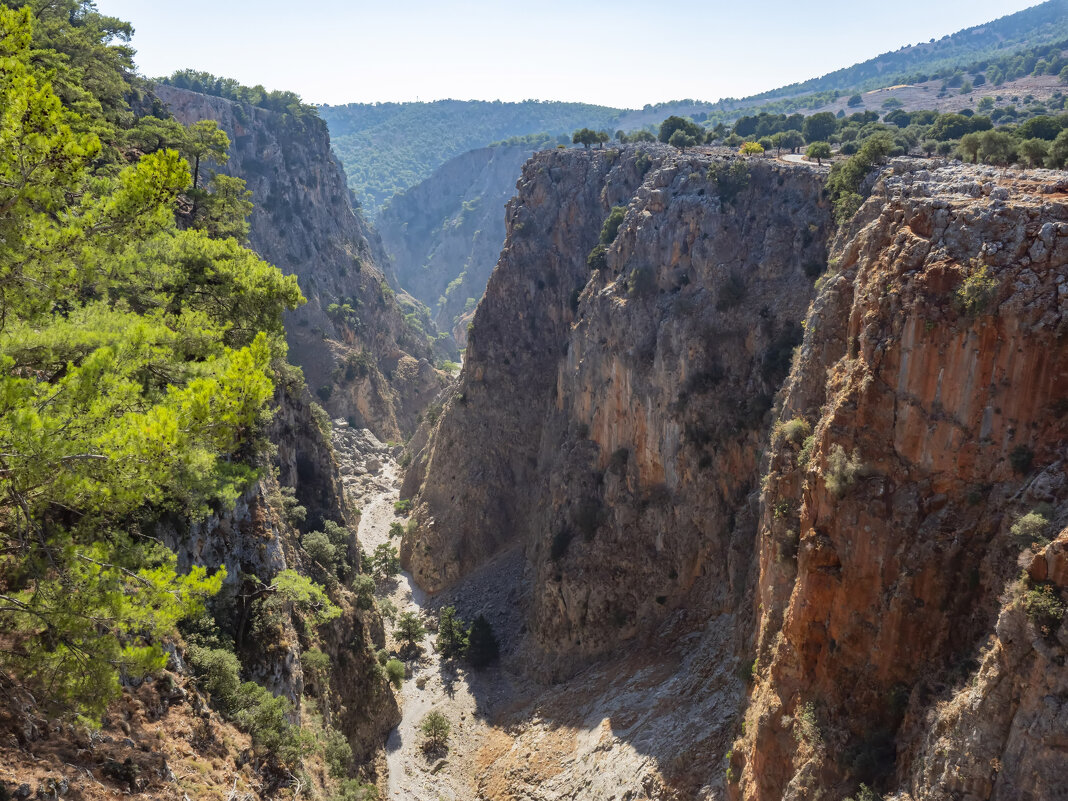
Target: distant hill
[(389, 147), (970, 50)]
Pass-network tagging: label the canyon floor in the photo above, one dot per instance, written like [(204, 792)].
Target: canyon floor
[(628, 727), (471, 700)]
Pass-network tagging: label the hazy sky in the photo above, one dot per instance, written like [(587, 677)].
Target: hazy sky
[(621, 53)]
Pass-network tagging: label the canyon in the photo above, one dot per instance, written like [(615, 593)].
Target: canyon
[(796, 451), (760, 504)]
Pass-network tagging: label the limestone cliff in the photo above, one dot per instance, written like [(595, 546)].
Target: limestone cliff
[(364, 349), (445, 233), (846, 521), (636, 393), (893, 643)]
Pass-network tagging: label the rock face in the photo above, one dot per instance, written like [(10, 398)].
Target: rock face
[(933, 374), (846, 516), (372, 361), (612, 420), (445, 234), (258, 538)]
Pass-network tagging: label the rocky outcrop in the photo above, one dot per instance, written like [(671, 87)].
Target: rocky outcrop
[(365, 350), (893, 648), (861, 524), (445, 234), (611, 420), (261, 537)]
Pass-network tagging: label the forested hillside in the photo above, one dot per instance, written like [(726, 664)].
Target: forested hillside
[(164, 475), (389, 147)]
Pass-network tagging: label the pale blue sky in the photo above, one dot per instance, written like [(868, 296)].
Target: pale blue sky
[(620, 53)]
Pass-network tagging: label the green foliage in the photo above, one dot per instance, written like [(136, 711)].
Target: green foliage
[(218, 672), (819, 127), (208, 84), (1045, 607), (385, 560), (585, 137), (482, 646), (751, 149), (435, 727), (307, 597), (354, 790), (819, 151), (316, 664), (688, 128), (597, 260), (682, 140), (611, 224), (452, 634), (318, 546), (266, 719), (363, 587), (402, 507), (842, 470), (976, 292), (865, 793), (730, 178), (389, 147), (395, 672), (337, 753), (135, 367), (409, 628), (847, 177), (794, 431), (806, 726), (1030, 529)]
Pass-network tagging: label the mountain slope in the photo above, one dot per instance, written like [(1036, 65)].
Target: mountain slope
[(388, 147), (371, 362), (445, 233)]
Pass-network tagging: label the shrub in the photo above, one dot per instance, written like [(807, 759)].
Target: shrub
[(795, 431), (364, 588), (218, 671), (337, 753), (611, 225), (409, 628), (354, 790), (806, 451), (1030, 528), (806, 727), (976, 292), (730, 179), (386, 560), (395, 672), (435, 727), (595, 261), (842, 470), (402, 507), (452, 636), (751, 149), (266, 719), (318, 546), (396, 530), (1045, 607)]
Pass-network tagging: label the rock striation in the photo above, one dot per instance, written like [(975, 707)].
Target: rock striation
[(835, 458), (892, 616), (371, 361)]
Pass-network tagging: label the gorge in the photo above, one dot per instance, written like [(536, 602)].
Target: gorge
[(675, 471)]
